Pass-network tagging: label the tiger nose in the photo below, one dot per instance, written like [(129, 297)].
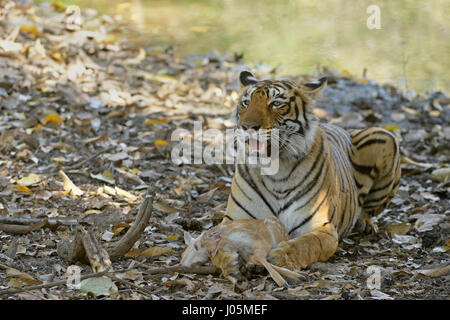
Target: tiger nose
[(251, 125)]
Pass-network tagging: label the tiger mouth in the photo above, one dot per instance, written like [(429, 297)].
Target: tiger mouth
[(259, 148)]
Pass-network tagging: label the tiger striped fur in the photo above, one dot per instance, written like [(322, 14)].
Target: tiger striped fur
[(329, 180)]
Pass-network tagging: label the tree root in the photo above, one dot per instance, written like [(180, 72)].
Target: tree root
[(86, 249)]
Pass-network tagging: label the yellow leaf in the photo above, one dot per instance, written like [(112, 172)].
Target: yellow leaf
[(153, 121), (361, 80), (156, 251), (391, 127), (59, 6), (161, 143), (108, 175), (56, 55), (28, 28), (109, 40), (117, 230), (346, 72), (52, 118), (29, 180), (174, 237), (135, 171), (22, 188)]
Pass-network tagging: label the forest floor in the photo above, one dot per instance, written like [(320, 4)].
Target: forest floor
[(82, 99)]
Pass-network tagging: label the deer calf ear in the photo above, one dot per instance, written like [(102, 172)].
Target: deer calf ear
[(188, 238), (246, 78)]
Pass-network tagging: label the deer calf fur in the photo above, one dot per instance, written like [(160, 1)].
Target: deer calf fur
[(229, 241)]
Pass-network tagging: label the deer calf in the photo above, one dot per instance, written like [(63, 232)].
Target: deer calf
[(229, 241)]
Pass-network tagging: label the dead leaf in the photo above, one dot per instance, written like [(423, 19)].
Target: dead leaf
[(22, 189), (21, 278), (164, 207), (378, 295), (69, 186), (107, 236), (437, 272), (133, 253), (207, 196), (132, 274), (52, 118), (117, 157), (129, 197), (180, 282), (426, 222), (161, 143), (106, 176), (156, 251), (409, 161), (29, 180), (43, 195), (400, 229), (28, 28), (441, 175)]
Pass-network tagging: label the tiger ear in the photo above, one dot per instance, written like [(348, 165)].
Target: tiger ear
[(246, 78), (314, 88)]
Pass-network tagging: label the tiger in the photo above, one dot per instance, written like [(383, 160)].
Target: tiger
[(329, 182)]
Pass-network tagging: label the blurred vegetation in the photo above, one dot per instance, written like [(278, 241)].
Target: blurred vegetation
[(410, 50)]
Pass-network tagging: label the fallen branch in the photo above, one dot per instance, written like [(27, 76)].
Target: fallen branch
[(95, 155), (52, 284), (135, 286), (25, 225), (83, 277), (97, 255), (122, 246), (85, 247), (182, 269)]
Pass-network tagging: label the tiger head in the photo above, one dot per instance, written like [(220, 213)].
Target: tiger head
[(283, 105)]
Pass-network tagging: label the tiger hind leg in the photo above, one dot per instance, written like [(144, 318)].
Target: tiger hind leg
[(375, 158)]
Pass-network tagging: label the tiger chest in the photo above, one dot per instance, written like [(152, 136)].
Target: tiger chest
[(298, 195)]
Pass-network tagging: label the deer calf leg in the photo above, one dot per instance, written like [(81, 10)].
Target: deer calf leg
[(318, 245)]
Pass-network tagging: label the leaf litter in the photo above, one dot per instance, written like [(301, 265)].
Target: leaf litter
[(85, 125)]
